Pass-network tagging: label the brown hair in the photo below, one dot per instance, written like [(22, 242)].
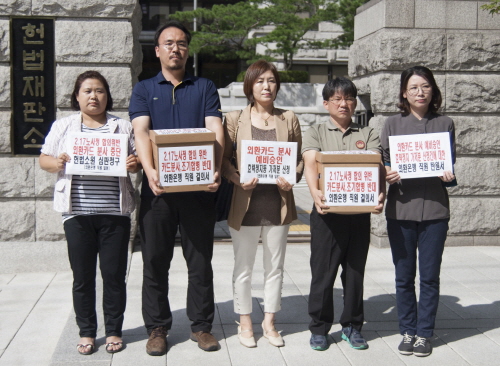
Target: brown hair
[(253, 72), (424, 72), (78, 84)]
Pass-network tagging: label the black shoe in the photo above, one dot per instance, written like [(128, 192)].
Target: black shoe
[(318, 342), (406, 345), (422, 347), (354, 338)]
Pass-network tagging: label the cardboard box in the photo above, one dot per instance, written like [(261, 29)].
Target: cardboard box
[(184, 158), (349, 180)]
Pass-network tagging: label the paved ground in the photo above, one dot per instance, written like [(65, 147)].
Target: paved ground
[(37, 326), (37, 323)]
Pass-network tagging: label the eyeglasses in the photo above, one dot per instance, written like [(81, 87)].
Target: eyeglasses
[(426, 89), (338, 101), (180, 45)]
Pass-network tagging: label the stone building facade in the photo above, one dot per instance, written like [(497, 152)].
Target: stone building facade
[(456, 39), (460, 43), (89, 35)]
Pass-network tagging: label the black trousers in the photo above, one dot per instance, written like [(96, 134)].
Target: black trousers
[(193, 213), (107, 236), (337, 240)]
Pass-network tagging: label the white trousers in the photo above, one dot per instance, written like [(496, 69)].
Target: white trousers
[(245, 241)]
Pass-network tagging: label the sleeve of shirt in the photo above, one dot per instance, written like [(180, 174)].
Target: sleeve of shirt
[(384, 141), (212, 101), (126, 126), (451, 129), (230, 126), (310, 141), (297, 137), (373, 142), (138, 102), (452, 140), (52, 140), (131, 143)]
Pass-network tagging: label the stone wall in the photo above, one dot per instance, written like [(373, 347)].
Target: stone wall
[(99, 35), (460, 43)]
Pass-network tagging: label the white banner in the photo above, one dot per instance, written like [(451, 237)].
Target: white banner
[(421, 155), (268, 160), (350, 186), (97, 154), (185, 165)]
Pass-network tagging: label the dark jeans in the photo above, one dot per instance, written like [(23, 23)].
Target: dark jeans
[(337, 240), (429, 237), (107, 236), (160, 217)]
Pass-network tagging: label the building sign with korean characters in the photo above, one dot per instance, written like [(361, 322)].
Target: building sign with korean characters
[(33, 80)]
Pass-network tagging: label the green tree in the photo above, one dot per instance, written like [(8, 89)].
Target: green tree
[(346, 12), (292, 20), (493, 7), (224, 29)]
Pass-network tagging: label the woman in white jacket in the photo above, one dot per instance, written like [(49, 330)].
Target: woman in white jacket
[(96, 212)]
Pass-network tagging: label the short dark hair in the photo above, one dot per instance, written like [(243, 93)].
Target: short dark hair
[(253, 72), (424, 72), (90, 74), (175, 24), (340, 85)]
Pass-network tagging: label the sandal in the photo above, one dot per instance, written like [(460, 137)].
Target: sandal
[(114, 344), (85, 351)]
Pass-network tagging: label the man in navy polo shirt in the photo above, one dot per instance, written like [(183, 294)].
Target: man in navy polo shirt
[(175, 99)]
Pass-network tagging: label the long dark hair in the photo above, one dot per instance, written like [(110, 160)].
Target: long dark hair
[(91, 74), (424, 72)]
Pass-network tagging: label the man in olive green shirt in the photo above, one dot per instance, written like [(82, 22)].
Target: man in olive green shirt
[(337, 239)]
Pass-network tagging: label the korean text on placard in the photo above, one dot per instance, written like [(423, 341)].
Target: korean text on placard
[(345, 186), (186, 165)]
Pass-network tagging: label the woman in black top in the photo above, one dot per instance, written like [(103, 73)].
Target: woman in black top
[(417, 212)]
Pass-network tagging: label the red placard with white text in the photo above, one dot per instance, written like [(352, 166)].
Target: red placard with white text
[(351, 186), (421, 155), (185, 165), (268, 160), (97, 154)]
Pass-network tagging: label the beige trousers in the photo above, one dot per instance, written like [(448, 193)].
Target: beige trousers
[(245, 241)]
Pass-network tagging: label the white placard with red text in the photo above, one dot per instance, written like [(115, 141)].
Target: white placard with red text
[(421, 155), (268, 160), (350, 186), (186, 165), (97, 154)]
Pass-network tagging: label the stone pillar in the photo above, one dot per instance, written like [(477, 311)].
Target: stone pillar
[(459, 42), (89, 35)]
